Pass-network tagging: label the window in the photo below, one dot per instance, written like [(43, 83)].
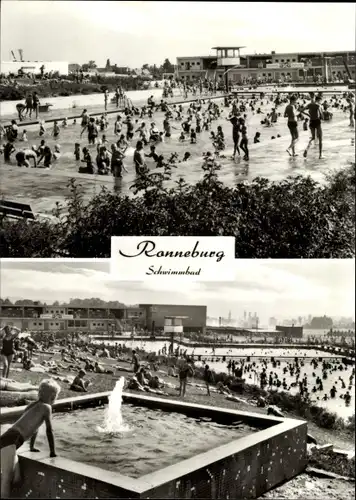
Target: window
[(57, 324), (277, 60), (51, 324), (182, 63), (35, 324), (193, 63), (94, 324), (39, 324), (293, 60), (269, 74), (282, 60), (198, 63), (288, 60)]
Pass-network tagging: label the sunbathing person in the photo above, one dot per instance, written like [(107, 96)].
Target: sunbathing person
[(7, 384), (222, 388), (99, 369)]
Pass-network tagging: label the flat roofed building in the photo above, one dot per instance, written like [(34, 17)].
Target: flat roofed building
[(71, 318), (290, 66)]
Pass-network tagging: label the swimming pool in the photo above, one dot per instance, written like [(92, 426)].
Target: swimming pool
[(155, 438)]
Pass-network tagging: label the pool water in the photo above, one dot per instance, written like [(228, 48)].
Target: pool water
[(155, 439)]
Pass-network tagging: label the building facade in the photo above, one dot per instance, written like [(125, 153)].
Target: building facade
[(273, 67), (290, 331), (68, 318), (195, 68)]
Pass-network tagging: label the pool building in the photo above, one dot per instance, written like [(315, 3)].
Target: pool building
[(126, 318), (273, 66)]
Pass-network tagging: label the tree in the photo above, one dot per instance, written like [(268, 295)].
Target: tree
[(5, 302), (55, 303), (167, 66), (92, 65), (293, 218)]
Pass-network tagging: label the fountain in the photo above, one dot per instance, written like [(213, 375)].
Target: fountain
[(113, 422), (175, 450)]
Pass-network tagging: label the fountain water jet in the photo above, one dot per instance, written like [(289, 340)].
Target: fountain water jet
[(113, 417)]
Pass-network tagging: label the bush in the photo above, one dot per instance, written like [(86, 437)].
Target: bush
[(294, 218)]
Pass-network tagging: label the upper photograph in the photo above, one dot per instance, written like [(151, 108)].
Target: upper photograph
[(177, 119)]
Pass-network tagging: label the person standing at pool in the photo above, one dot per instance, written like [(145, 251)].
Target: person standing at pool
[(118, 125), (244, 140), (208, 378), (138, 157), (351, 108), (92, 131), (235, 133), (291, 113), (315, 116), (85, 118), (106, 97), (135, 361), (47, 157), (8, 335), (26, 427), (35, 103), (184, 370), (29, 105)]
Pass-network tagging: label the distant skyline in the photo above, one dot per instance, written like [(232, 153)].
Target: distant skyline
[(135, 33), (272, 288)]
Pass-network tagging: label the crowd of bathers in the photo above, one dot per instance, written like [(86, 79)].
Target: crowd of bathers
[(136, 129)]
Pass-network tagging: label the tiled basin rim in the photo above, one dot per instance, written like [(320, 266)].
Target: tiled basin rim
[(245, 468)]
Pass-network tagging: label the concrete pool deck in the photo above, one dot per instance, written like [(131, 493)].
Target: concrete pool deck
[(245, 468)]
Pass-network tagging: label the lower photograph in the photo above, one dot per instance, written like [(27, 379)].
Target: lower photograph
[(166, 389)]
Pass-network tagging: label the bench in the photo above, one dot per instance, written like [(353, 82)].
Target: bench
[(16, 210)]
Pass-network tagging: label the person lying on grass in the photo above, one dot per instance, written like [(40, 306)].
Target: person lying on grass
[(26, 427)]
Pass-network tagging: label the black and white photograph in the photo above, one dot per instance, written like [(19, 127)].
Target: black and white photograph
[(228, 390), (177, 250), (177, 118)]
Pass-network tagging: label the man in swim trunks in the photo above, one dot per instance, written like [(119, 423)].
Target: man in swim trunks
[(291, 113), (315, 116)]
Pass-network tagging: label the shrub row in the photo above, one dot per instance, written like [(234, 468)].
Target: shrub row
[(294, 218)]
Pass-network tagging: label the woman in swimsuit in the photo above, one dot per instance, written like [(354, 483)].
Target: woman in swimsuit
[(7, 350)]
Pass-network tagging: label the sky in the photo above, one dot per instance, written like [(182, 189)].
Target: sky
[(135, 33), (280, 288)]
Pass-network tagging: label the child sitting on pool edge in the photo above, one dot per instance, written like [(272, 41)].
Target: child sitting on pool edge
[(26, 427)]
